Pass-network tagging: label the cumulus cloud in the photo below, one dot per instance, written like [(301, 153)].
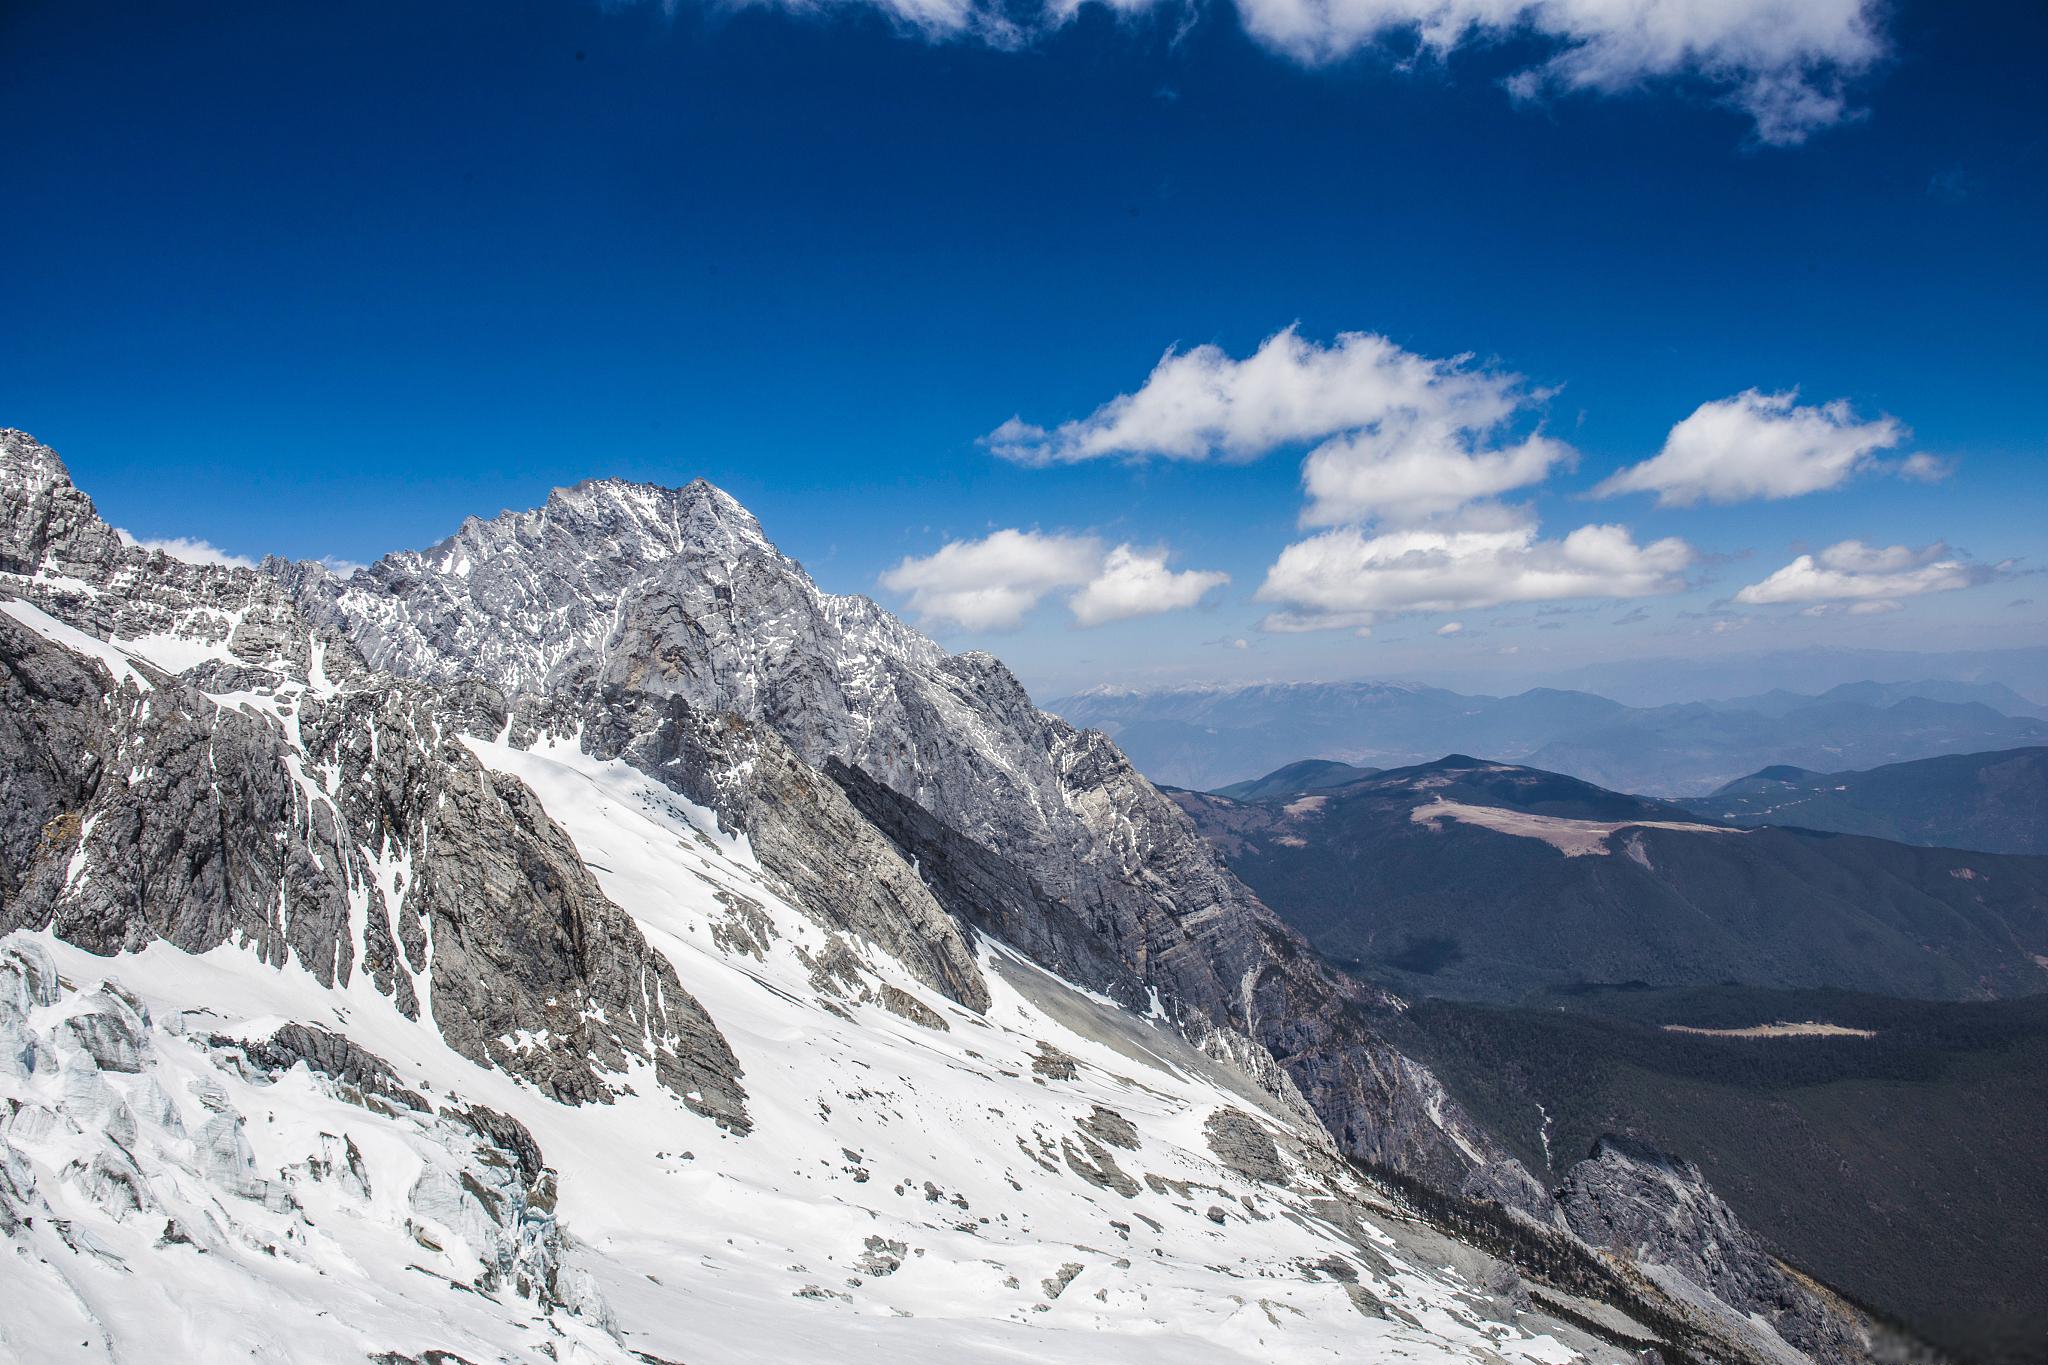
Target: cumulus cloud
[(1763, 446), (1877, 575), (1401, 435), (1410, 469), (1347, 578), (1787, 64), (1450, 628), (989, 584), (992, 583), (188, 549), (1137, 583)]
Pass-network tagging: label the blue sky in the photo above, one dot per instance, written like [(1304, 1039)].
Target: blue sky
[(322, 280)]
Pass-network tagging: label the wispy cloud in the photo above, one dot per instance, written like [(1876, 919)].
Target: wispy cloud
[(1790, 67)]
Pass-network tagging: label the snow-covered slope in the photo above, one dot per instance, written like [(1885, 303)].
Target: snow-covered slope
[(1049, 1178)]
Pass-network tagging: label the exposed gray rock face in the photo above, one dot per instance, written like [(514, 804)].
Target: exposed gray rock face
[(1659, 1212), (133, 815), (48, 526), (625, 591), (330, 1054), (1241, 1144)]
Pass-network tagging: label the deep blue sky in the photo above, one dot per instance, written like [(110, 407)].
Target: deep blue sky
[(322, 280)]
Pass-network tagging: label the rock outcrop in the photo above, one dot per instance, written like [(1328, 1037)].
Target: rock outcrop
[(1657, 1212)]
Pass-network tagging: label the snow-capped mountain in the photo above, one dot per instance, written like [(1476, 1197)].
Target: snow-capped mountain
[(625, 602), (586, 940)]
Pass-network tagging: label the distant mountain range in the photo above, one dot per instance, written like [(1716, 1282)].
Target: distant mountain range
[(2000, 698), (1660, 681), (1486, 881), (1203, 738), (1995, 802)]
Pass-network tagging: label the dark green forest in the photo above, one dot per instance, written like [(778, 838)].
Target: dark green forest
[(1931, 1130)]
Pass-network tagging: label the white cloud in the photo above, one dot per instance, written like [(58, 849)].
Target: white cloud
[(1762, 446), (188, 549), (1403, 436), (1450, 628), (1408, 469), (1138, 583), (1787, 64), (991, 583), (1346, 578), (1871, 575), (339, 567), (1921, 467)]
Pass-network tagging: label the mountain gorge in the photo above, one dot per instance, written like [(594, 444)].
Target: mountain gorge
[(585, 939)]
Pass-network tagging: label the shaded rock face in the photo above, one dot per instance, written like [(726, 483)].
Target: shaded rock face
[(134, 815), (631, 598), (801, 826), (986, 891), (1659, 1212), (344, 829)]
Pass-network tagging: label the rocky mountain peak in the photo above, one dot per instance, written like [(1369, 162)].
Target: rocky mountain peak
[(625, 596), (49, 525)]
